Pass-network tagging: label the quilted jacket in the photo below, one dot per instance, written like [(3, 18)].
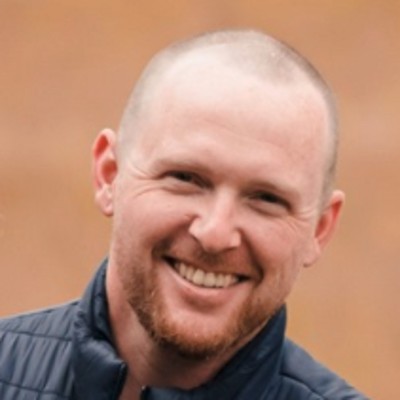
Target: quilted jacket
[(67, 352)]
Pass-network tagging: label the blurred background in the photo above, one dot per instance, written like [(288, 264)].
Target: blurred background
[(67, 67)]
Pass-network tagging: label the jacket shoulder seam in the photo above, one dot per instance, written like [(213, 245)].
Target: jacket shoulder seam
[(33, 389), (25, 317), (40, 311), (34, 334)]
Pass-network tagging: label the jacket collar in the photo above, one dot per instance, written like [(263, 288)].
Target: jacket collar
[(100, 373)]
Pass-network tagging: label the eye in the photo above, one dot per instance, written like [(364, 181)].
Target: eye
[(186, 178), (268, 198), (270, 202), (183, 176)]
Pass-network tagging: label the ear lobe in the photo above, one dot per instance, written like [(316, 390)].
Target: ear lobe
[(104, 170), (326, 226)]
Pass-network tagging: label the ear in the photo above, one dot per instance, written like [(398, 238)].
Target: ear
[(104, 170), (325, 226)]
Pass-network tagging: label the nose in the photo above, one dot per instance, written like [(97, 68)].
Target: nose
[(215, 227)]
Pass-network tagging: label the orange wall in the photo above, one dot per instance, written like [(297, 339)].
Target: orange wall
[(66, 69)]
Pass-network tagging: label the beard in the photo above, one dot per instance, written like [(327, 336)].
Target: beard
[(191, 341), (185, 340)]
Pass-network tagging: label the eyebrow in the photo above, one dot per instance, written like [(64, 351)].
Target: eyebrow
[(183, 163)]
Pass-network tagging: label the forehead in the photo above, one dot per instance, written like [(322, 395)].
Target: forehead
[(203, 87)]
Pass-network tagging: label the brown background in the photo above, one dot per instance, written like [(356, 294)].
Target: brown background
[(66, 68)]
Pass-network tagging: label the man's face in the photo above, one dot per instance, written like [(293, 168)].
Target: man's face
[(217, 206)]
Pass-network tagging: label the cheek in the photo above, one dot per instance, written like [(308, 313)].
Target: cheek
[(281, 267), (280, 249), (151, 217), (281, 237)]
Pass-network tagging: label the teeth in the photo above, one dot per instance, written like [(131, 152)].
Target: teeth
[(220, 282), (205, 279), (210, 279), (182, 269), (198, 277)]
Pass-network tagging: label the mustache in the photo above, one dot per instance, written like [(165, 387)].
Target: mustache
[(186, 248)]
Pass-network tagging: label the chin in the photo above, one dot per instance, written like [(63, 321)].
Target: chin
[(194, 338), (193, 343)]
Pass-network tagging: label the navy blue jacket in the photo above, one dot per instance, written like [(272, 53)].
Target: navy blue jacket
[(67, 352)]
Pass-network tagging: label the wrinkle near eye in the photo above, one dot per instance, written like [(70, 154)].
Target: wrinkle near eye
[(133, 169), (308, 213)]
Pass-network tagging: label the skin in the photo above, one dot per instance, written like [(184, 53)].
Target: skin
[(223, 182)]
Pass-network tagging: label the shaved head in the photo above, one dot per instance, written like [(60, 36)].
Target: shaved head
[(251, 52)]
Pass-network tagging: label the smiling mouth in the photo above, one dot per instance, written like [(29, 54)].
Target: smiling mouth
[(201, 278)]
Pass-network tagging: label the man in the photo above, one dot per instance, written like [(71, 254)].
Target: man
[(220, 186)]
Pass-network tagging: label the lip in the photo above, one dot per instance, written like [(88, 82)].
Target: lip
[(175, 262), (202, 298), (172, 261)]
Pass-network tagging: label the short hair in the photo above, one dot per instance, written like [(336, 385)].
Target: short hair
[(251, 51)]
